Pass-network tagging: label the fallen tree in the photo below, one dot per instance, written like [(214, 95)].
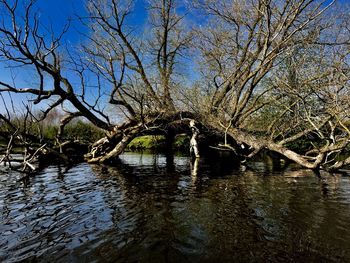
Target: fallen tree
[(271, 73)]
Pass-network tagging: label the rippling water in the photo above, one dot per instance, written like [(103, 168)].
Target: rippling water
[(150, 210)]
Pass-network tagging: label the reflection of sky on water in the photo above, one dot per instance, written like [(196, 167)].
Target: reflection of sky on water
[(148, 159)]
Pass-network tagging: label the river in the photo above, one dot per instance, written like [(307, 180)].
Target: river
[(151, 209)]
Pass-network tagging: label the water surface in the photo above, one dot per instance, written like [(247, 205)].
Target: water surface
[(150, 209)]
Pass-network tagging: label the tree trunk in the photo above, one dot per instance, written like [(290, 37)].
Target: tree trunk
[(261, 143), (108, 148), (194, 151)]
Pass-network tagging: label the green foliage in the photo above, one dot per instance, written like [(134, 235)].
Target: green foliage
[(182, 142), (79, 130), (49, 132), (147, 142), (82, 131), (151, 142)]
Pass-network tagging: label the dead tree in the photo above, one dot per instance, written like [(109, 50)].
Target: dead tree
[(23, 148)]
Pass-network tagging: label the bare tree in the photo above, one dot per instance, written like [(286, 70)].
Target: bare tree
[(140, 71), (135, 73), (276, 64), (272, 73)]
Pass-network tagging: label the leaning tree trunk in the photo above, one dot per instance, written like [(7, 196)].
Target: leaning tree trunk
[(110, 147), (258, 144)]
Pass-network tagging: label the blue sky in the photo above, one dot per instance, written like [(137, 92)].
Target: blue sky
[(57, 12)]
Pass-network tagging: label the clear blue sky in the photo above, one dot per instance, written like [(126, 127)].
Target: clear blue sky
[(57, 12)]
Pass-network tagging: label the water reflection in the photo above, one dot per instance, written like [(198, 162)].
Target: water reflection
[(151, 208)]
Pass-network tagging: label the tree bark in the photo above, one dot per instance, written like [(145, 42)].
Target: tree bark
[(109, 148), (264, 143), (194, 151)]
